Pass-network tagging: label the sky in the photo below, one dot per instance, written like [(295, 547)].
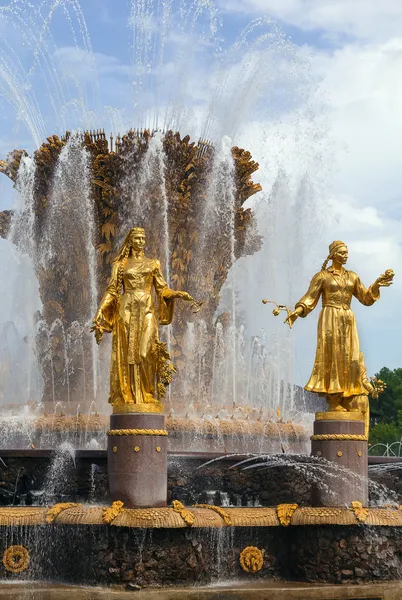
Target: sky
[(311, 87)]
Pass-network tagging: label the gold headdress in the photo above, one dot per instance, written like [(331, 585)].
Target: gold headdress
[(332, 249)]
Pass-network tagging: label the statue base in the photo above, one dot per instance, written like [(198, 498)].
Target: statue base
[(343, 443), (137, 459)]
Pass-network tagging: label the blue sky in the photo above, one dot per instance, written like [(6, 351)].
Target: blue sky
[(312, 90)]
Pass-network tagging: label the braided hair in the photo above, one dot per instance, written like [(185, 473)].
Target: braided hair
[(122, 264), (326, 261), (332, 249), (122, 257)]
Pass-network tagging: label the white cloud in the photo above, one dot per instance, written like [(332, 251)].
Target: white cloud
[(363, 19)]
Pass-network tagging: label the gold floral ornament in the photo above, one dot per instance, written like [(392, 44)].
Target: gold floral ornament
[(56, 509), (251, 559), (379, 387), (111, 512), (361, 513), (285, 512), (278, 308), (165, 369), (185, 514), (16, 559)]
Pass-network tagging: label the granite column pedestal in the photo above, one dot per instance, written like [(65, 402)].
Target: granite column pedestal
[(137, 459), (341, 442)]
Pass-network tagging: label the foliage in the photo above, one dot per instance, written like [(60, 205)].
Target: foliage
[(388, 408), (386, 412), (385, 433)]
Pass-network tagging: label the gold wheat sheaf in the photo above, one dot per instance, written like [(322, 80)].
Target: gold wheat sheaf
[(361, 513), (251, 559), (16, 559), (56, 509), (111, 512), (285, 512), (187, 516)]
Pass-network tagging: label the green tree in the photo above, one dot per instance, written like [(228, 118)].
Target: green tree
[(384, 433), (388, 408)]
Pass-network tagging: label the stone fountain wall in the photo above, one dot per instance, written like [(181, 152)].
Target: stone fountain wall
[(137, 558), (41, 477)]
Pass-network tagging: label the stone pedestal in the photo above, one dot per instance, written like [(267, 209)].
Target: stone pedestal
[(137, 459), (340, 439)]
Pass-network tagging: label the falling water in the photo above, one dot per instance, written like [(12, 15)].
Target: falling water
[(74, 228), (146, 195)]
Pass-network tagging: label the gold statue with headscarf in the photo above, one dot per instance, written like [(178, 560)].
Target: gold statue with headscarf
[(140, 364), (338, 369)]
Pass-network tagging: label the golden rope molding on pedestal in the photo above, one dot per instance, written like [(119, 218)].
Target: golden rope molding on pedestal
[(323, 437), (137, 432)]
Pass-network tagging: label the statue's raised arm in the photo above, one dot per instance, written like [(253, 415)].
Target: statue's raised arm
[(140, 364)]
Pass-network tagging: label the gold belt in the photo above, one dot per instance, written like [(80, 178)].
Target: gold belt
[(340, 305), (132, 292)]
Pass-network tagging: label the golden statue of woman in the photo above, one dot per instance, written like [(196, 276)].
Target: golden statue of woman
[(337, 371), (140, 364)]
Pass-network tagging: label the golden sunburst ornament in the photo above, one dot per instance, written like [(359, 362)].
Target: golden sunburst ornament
[(251, 559), (16, 559)]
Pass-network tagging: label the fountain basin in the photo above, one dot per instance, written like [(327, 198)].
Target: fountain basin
[(188, 545)]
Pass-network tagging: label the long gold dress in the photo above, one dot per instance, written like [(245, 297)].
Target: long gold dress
[(336, 368), (133, 319)]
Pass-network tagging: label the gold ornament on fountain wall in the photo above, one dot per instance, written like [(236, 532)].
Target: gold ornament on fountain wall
[(187, 516), (16, 559), (361, 513), (111, 512), (251, 559), (140, 366), (285, 512), (219, 510), (56, 509)]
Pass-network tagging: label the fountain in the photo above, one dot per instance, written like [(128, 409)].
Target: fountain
[(224, 490)]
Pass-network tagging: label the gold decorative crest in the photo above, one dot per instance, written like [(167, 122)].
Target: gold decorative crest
[(285, 513), (16, 559), (251, 559)]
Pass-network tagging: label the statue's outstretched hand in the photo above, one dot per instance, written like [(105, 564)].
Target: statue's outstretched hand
[(386, 279), (291, 318), (184, 296), (195, 304), (97, 326)]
